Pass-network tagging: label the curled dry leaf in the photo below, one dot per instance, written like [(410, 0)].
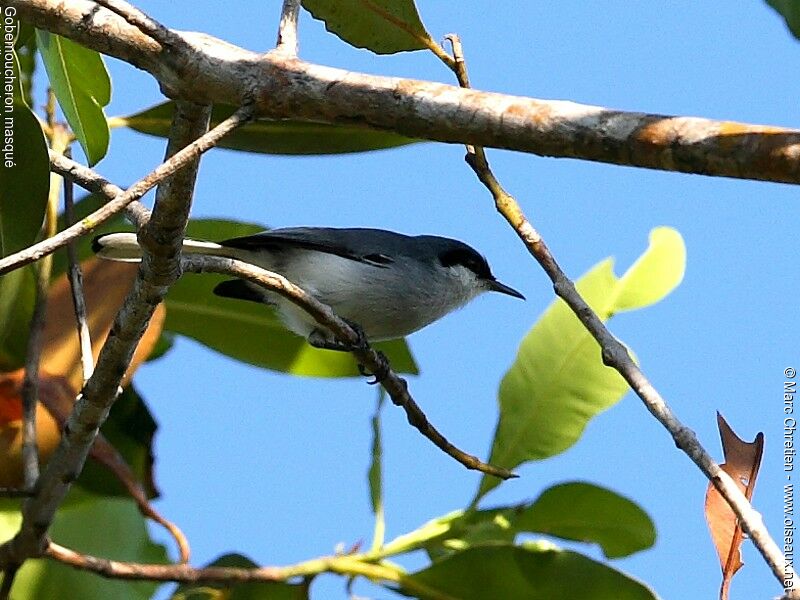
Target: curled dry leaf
[(742, 460)]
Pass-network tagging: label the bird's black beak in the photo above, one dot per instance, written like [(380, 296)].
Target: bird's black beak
[(496, 286)]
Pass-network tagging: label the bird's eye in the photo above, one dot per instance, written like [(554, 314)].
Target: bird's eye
[(467, 259)]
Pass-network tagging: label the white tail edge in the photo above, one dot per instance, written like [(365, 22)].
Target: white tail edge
[(124, 247)]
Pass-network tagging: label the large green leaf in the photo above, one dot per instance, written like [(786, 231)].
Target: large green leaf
[(588, 513), (558, 381), (383, 26), (268, 136), (17, 296), (241, 591), (790, 11), (78, 525), (24, 181), (251, 332), (80, 82), (575, 511), (527, 572)]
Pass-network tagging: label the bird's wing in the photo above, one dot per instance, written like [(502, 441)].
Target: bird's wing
[(347, 243)]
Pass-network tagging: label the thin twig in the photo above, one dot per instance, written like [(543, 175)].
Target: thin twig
[(30, 382), (144, 23), (375, 362), (352, 565), (93, 182), (76, 285), (615, 355), (287, 43)]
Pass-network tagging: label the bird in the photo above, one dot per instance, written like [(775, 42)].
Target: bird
[(387, 284)]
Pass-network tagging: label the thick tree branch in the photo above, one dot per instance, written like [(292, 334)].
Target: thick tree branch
[(211, 70)]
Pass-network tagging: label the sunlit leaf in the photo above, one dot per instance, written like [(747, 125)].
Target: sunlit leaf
[(558, 381), (81, 84), (268, 136)]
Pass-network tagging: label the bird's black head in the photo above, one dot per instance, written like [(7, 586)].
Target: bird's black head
[(459, 254)]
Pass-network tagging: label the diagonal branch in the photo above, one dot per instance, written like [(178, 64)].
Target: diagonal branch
[(91, 181), (211, 70), (374, 361), (616, 356)]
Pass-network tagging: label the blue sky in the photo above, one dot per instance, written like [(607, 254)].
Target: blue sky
[(274, 466)]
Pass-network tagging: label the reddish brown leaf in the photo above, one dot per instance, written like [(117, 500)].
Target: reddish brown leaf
[(105, 285), (52, 390), (742, 461)]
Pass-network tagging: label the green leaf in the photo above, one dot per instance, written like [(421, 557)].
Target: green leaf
[(558, 381), (654, 274), (252, 332), (574, 511), (527, 572), (80, 82), (383, 26), (17, 296), (240, 591), (588, 513), (24, 180), (790, 11), (267, 136), (124, 537), (375, 475)]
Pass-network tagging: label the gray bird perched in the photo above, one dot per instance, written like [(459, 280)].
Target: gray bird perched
[(388, 283)]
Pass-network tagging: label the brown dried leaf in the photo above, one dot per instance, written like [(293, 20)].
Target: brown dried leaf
[(105, 285), (52, 390), (742, 461)]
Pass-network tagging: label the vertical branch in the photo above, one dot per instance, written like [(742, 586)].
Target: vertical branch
[(30, 383), (76, 285), (287, 43)]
